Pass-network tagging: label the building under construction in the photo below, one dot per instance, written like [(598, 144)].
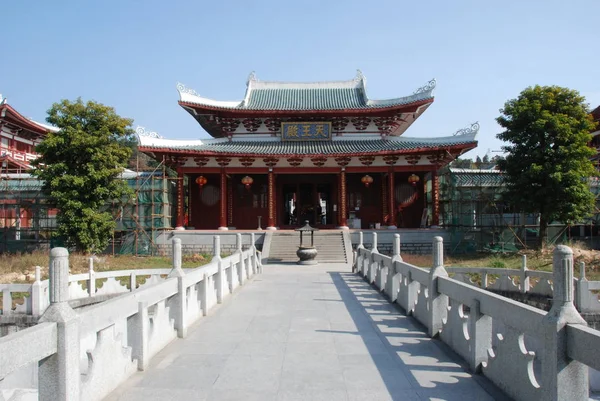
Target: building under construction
[(28, 219), (478, 220)]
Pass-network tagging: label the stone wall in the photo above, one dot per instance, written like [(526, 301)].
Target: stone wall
[(416, 242), (202, 242)]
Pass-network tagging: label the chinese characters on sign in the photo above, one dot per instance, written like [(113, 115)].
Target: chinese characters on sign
[(299, 131)]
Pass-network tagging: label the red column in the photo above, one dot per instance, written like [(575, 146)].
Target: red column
[(391, 201), (230, 202), (385, 212), (180, 202), (435, 197), (271, 201), (343, 203), (223, 202)]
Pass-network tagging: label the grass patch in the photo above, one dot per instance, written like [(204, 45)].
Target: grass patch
[(535, 261), (20, 268)]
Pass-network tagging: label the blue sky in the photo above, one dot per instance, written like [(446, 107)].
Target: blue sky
[(131, 54)]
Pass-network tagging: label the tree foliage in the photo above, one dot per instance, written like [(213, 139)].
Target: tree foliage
[(547, 129), (461, 163), (80, 165), (485, 163)]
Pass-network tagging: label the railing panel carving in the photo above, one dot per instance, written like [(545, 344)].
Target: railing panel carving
[(494, 334)]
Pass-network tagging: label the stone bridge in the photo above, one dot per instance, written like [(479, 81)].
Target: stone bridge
[(233, 330)]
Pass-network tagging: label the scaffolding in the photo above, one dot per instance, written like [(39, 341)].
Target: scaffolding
[(146, 214), (472, 210), (28, 219)]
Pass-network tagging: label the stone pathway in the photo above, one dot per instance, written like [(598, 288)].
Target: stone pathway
[(305, 333)]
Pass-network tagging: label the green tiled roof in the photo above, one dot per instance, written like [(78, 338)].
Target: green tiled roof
[(311, 147), (334, 95), (21, 185), (476, 178), (305, 99)]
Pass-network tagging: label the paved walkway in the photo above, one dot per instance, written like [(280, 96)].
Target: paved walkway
[(305, 333)]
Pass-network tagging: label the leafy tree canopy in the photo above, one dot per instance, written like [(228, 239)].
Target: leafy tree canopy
[(485, 163), (547, 129), (79, 166), (461, 163)]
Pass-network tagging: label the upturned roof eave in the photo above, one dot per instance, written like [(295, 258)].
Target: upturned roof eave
[(18, 163), (13, 116), (463, 147), (264, 112)]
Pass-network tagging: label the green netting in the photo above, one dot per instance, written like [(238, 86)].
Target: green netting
[(471, 209), (138, 220)]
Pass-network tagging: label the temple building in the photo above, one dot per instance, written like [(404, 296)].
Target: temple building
[(19, 136), (18, 198), (323, 152)]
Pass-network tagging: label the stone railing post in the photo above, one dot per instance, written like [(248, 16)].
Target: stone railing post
[(7, 303), (180, 302), (217, 246), (374, 247), (438, 303), (91, 279), (583, 297), (407, 294), (176, 271), (356, 265), (204, 294), (253, 261), (240, 265), (38, 303), (392, 284), (480, 331), (221, 280), (524, 278), (132, 282), (59, 375), (562, 377), (138, 330), (359, 259), (372, 270)]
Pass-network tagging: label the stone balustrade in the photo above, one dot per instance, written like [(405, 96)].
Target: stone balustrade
[(84, 355), (523, 280), (527, 281), (494, 334), (84, 288)]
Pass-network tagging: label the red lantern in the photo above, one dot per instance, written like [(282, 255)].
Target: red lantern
[(367, 180), (201, 181), (413, 179), (247, 181)]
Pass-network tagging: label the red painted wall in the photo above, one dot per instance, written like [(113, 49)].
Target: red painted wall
[(203, 209), (250, 203)]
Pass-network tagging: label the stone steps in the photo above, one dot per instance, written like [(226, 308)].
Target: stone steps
[(330, 247)]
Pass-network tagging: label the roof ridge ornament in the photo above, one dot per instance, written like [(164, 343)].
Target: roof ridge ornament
[(141, 131), (184, 89), (473, 129), (362, 80), (359, 76), (251, 77), (3, 100), (426, 88)]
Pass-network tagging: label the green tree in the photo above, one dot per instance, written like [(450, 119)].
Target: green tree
[(496, 159), (80, 165), (461, 163), (547, 129), (478, 162)]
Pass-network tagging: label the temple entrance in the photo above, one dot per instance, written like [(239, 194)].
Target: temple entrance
[(308, 197)]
